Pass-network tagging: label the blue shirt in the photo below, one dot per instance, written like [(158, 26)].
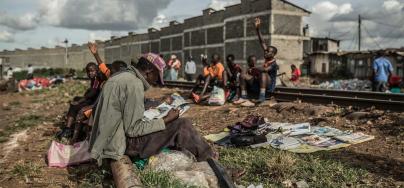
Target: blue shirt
[(382, 67)]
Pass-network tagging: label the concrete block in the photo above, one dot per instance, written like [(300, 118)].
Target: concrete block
[(235, 48), (176, 43), (198, 38), (287, 25), (215, 35), (235, 29)]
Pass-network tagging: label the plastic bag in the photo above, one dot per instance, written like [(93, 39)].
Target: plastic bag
[(60, 155), (217, 97), (192, 178), (170, 161)]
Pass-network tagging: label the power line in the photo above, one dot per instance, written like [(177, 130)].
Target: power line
[(384, 24), (371, 37), (353, 41), (342, 34)]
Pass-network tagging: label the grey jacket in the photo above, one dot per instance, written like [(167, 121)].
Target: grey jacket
[(119, 114)]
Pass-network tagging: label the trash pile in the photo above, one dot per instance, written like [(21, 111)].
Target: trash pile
[(183, 167), (38, 83), (255, 132), (351, 85)]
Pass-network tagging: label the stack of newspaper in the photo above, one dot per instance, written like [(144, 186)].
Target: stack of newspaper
[(163, 109)]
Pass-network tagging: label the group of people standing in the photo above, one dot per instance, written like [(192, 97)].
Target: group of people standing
[(174, 66)]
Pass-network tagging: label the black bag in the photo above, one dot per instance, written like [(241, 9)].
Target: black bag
[(247, 140)]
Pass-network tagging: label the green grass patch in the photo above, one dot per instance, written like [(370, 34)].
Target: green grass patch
[(271, 167), (97, 178), (26, 169), (160, 179), (21, 124)]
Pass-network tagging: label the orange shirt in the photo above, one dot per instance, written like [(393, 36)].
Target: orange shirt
[(104, 69), (216, 71), (206, 71)]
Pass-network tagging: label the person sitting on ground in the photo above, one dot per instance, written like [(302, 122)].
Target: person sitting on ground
[(119, 125), (296, 73), (251, 82), (234, 72), (217, 76), (79, 102), (200, 80), (83, 116), (270, 67)]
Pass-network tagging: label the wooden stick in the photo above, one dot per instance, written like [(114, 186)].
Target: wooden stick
[(124, 174)]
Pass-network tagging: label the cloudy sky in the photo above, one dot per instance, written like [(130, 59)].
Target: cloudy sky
[(36, 23)]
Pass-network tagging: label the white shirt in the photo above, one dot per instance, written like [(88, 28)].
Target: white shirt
[(190, 67), (30, 70), (9, 74)]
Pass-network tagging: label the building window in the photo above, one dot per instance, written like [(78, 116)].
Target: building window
[(323, 67)]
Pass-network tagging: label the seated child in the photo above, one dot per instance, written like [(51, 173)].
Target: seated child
[(250, 81), (234, 72), (296, 73), (216, 76), (89, 98)]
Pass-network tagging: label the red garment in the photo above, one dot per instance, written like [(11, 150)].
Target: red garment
[(43, 81), (296, 75), (255, 72), (395, 80)]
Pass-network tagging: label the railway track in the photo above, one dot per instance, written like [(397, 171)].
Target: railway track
[(382, 101)]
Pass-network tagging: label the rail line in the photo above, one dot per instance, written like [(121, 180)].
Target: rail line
[(360, 99)]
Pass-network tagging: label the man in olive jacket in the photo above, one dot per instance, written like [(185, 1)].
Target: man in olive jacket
[(119, 124)]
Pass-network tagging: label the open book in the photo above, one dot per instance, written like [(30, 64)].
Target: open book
[(163, 109)]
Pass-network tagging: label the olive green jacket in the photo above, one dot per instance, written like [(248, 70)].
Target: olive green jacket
[(119, 114)]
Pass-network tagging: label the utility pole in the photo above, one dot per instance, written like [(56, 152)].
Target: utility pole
[(1, 68), (359, 32), (66, 56)]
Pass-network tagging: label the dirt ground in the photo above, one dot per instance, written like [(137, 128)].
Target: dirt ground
[(22, 162)]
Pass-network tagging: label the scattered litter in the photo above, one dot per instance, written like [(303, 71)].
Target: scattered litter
[(217, 97), (352, 85), (185, 168), (301, 184), (255, 186), (170, 161)]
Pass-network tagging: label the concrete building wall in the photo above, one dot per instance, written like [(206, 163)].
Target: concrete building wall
[(320, 64), (78, 57), (229, 31), (333, 46)]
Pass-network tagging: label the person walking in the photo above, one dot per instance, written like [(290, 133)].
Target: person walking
[(382, 71)]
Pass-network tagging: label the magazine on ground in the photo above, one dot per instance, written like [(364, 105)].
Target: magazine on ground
[(163, 109), (355, 138), (315, 140)]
